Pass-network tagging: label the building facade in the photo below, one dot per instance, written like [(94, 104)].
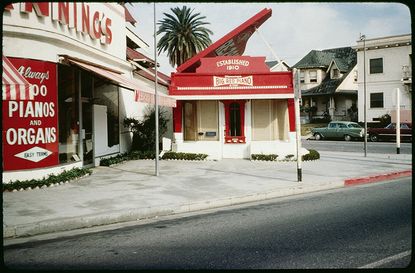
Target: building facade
[(230, 105), (328, 82), (72, 57), (388, 67)]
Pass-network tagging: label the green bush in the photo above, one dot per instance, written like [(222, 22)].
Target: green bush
[(184, 156), (52, 179), (144, 131), (270, 157), (312, 155)]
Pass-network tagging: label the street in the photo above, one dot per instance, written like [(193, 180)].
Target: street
[(356, 146), (364, 226)]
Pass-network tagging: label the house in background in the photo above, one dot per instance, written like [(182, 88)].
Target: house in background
[(388, 67), (278, 66), (328, 83)]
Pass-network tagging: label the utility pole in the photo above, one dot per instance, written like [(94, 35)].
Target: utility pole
[(363, 38), (297, 97), (155, 94), (398, 121)]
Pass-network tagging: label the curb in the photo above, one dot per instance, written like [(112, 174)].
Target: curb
[(376, 178)]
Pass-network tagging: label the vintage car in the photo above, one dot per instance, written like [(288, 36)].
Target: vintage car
[(346, 130), (389, 132)]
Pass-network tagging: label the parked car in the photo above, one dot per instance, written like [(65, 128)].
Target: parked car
[(346, 130), (389, 132)]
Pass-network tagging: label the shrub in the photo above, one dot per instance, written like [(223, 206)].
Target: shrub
[(184, 156), (312, 155), (52, 179), (144, 131), (270, 157)]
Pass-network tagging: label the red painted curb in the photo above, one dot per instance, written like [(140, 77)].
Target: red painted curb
[(376, 178)]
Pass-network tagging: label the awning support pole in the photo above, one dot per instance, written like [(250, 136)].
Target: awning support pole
[(156, 95)]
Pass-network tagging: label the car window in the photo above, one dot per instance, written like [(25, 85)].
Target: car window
[(341, 125), (404, 126), (332, 125), (390, 126), (354, 125)]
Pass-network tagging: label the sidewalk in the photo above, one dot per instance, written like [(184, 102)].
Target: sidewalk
[(130, 191)]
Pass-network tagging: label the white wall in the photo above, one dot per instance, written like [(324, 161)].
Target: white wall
[(394, 57)]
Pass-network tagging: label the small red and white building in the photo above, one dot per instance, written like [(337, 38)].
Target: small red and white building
[(67, 86), (230, 105)]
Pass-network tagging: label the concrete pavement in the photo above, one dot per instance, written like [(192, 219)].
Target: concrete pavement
[(130, 191)]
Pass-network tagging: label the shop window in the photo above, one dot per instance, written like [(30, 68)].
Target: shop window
[(234, 121), (106, 94), (376, 100), (208, 117), (313, 76), (269, 120), (189, 121), (68, 105), (376, 65)]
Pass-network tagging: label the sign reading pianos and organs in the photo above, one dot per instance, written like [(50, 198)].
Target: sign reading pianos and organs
[(231, 75)]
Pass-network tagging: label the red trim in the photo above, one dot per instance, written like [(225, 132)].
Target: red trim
[(239, 35), (291, 114), (234, 139), (177, 117)]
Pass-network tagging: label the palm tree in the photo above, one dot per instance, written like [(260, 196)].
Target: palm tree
[(184, 35)]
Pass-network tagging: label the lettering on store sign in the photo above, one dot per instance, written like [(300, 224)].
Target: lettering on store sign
[(232, 64), (232, 81), (73, 15), (30, 127)]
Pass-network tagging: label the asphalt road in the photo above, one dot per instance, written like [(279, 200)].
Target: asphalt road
[(363, 226), (356, 146)]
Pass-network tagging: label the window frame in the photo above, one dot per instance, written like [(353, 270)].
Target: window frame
[(375, 68), (374, 102)]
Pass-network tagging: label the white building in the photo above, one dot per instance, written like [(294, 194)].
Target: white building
[(388, 67), (77, 86)]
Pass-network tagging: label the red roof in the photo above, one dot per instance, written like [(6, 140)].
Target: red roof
[(231, 44), (160, 75), (134, 55), (129, 17)]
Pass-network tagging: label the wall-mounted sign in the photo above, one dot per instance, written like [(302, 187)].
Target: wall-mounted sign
[(233, 65), (79, 16), (30, 127)]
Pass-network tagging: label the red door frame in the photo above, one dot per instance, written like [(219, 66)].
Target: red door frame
[(234, 139)]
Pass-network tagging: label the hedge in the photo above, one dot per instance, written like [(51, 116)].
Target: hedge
[(52, 179), (312, 155), (270, 157), (184, 156)]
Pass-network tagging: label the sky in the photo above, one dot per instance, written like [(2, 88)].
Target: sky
[(293, 30)]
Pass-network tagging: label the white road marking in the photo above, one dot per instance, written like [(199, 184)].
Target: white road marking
[(387, 260)]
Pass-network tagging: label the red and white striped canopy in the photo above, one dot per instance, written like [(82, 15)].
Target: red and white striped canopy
[(15, 86)]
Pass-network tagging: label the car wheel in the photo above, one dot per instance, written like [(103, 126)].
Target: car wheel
[(374, 138), (318, 136), (347, 137)]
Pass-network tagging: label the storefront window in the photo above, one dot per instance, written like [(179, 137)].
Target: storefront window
[(106, 94), (189, 121), (208, 118), (269, 120), (68, 115)]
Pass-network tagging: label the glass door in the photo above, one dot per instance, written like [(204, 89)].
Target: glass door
[(87, 117)]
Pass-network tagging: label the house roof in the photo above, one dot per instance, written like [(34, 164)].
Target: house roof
[(345, 59)]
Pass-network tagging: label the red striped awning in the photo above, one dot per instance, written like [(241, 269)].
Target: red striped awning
[(15, 86), (147, 96)]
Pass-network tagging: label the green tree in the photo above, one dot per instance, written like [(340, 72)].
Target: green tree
[(184, 35)]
